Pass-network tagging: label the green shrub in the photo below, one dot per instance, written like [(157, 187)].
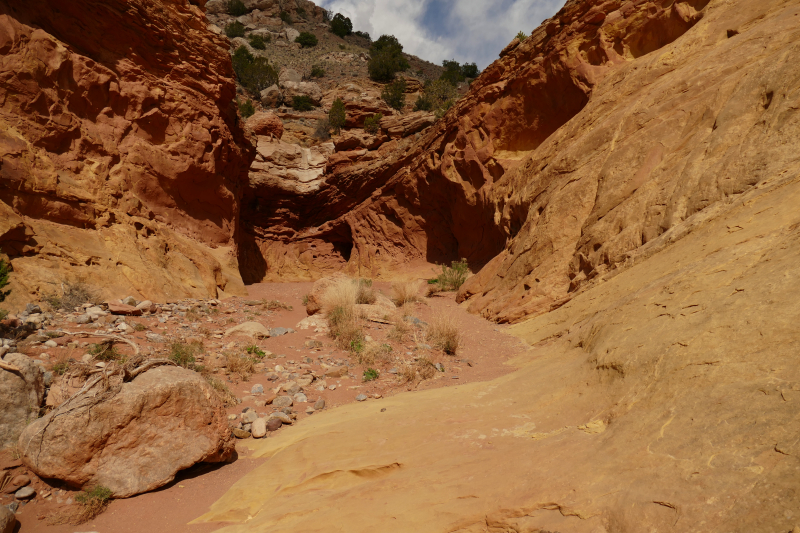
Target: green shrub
[(236, 8), (286, 17), (247, 109), (373, 124), (254, 73), (300, 11), (255, 351), (370, 374), (317, 71), (394, 94), (234, 29), (470, 70), (452, 72), (357, 344), (337, 116), (302, 103), (438, 96), (4, 272), (521, 36), (306, 39), (305, 299), (92, 503), (341, 25), (60, 368), (386, 59), (423, 104), (259, 42), (183, 354), (323, 133), (452, 277), (104, 351), (363, 35)]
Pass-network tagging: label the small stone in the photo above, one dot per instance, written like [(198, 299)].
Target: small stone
[(257, 389), (274, 423), (283, 417), (48, 379), (368, 338), (282, 401), (240, 433), (439, 367), (300, 398), (361, 398), (32, 308), (249, 417), (277, 332), (312, 344), (130, 300), (278, 368), (25, 493), (319, 405), (331, 387), (155, 337), (293, 389), (393, 371), (233, 417), (310, 411), (259, 428), (51, 344), (82, 319)]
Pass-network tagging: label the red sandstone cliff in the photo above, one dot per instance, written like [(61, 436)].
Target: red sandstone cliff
[(121, 154)]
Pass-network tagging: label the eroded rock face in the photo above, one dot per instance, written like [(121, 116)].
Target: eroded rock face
[(122, 160), (163, 421), (21, 396), (612, 126)]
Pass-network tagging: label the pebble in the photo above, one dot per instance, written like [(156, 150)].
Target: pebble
[(249, 417), (25, 493), (393, 371), (300, 398), (439, 367), (257, 389), (277, 332), (278, 368), (283, 417), (233, 417), (319, 404), (274, 423), (332, 387), (282, 401), (240, 433), (155, 337), (361, 397), (51, 344), (259, 428)]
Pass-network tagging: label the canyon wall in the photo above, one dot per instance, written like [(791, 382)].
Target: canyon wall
[(608, 132), (122, 156)]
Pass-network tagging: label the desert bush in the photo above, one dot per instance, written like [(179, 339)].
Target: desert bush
[(254, 73), (452, 277), (337, 116), (138, 326), (255, 351), (339, 303), (373, 124), (425, 368), (183, 354), (302, 103), (452, 72), (259, 42), (405, 292), (236, 8), (274, 305), (370, 374), (386, 59), (394, 94), (222, 390), (300, 11), (285, 17), (92, 503), (365, 294), (306, 39), (246, 109), (323, 133), (341, 25), (374, 352), (363, 35), (438, 96), (71, 295), (522, 36), (104, 351), (400, 329), (470, 70), (317, 71), (305, 299), (443, 333), (240, 364), (234, 29), (4, 273)]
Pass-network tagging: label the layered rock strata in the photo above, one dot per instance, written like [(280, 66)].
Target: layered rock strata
[(121, 154)]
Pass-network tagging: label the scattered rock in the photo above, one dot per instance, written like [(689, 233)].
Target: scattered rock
[(119, 308), (259, 428), (155, 337), (50, 344), (300, 398), (257, 389), (283, 417), (240, 433), (319, 405), (282, 401), (277, 332), (32, 309), (361, 397), (267, 124), (271, 97), (8, 521), (274, 423), (21, 395), (25, 493), (249, 417), (250, 329), (313, 344), (16, 483), (130, 300), (439, 367), (136, 439)]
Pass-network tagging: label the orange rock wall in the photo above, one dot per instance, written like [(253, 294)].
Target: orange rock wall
[(121, 154)]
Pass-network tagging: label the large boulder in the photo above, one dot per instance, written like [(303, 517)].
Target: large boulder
[(289, 75), (21, 395), (271, 96), (302, 88), (267, 124), (314, 304), (249, 329), (133, 437), (399, 126)]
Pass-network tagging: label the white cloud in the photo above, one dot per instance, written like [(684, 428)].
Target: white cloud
[(466, 30)]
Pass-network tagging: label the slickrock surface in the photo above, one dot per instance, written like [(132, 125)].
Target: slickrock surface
[(121, 155)]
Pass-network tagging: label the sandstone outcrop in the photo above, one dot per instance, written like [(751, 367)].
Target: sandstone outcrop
[(132, 437), (21, 396), (122, 158), (266, 124)]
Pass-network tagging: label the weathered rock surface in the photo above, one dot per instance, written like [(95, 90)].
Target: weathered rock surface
[(266, 124), (165, 420), (250, 329), (21, 396), (7, 520), (121, 157)]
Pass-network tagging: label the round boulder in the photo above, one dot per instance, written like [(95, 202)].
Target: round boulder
[(266, 124)]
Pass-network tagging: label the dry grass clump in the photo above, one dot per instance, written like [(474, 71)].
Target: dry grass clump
[(240, 364), (374, 352), (339, 305), (274, 305), (183, 354), (105, 351), (69, 295), (444, 334), (405, 292), (423, 368), (222, 390), (365, 294), (90, 504), (400, 329)]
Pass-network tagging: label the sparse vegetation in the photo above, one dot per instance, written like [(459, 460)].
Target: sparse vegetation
[(373, 124), (451, 278), (443, 333), (222, 390), (438, 96), (302, 103), (73, 294), (301, 12), (522, 36), (323, 133), (405, 292), (306, 39), (246, 109), (305, 299), (92, 503), (254, 73), (259, 42), (234, 29), (138, 326), (365, 294), (386, 59), (339, 303), (394, 94), (337, 116), (4, 273), (255, 351), (274, 305), (286, 17), (60, 368), (104, 351), (341, 25), (236, 8), (363, 35), (240, 364), (183, 354), (370, 374), (317, 71)]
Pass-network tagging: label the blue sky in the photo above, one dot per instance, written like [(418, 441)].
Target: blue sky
[(465, 30)]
